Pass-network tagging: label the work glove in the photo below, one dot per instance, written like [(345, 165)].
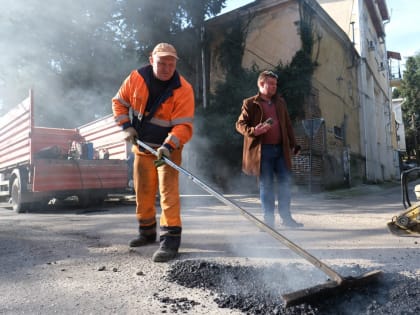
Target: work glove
[(130, 135), (162, 151), (261, 128)]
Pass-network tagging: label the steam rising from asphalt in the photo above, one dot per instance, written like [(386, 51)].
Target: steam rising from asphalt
[(58, 49), (62, 50)]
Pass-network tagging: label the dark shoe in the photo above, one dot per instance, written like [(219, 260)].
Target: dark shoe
[(164, 254), (292, 223), (143, 240)]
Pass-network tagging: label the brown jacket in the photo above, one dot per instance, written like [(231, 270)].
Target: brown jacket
[(251, 115)]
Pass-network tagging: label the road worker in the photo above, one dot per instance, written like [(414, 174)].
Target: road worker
[(155, 104)]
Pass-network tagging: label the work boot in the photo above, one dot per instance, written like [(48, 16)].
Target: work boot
[(147, 235), (170, 240), (164, 254), (143, 240)]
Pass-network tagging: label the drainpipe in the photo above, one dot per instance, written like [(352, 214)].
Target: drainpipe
[(395, 157), (362, 83)]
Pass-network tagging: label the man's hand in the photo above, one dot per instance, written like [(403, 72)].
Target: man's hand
[(261, 129), (130, 135), (162, 151)]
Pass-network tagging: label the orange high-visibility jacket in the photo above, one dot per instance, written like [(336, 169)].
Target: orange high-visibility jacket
[(169, 122)]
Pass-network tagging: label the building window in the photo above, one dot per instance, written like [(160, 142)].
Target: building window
[(338, 132)]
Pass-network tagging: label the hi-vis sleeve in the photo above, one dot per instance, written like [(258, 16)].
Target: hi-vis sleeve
[(128, 96), (182, 116)]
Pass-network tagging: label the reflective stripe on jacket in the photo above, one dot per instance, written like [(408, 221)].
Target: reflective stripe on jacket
[(172, 122)]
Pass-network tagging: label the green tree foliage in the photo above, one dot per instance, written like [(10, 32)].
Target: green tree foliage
[(59, 50), (216, 122), (140, 24), (396, 93), (410, 87), (410, 90)]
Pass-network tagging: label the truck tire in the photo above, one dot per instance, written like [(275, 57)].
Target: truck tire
[(97, 199), (91, 198), (84, 200), (16, 196)]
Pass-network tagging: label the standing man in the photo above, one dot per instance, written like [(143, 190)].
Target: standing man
[(155, 104), (269, 142)]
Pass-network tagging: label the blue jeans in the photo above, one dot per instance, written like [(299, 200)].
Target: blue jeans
[(273, 165)]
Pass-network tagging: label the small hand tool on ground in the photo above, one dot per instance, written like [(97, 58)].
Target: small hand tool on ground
[(337, 282)]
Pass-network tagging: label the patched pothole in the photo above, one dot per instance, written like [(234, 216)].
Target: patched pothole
[(257, 290)]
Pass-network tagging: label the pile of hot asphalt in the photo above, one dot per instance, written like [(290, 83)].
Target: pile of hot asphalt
[(257, 290)]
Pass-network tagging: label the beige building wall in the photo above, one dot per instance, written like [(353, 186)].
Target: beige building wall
[(363, 33), (336, 79), (272, 36), (363, 21), (343, 13)]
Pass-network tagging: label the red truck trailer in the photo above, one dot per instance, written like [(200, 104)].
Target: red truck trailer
[(39, 163)]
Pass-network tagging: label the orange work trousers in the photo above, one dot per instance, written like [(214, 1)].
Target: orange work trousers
[(147, 180)]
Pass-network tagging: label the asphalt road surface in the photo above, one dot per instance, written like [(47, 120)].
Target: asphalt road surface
[(65, 260)]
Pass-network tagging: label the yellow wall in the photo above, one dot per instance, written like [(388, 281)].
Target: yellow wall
[(272, 37), (336, 80), (346, 11), (343, 13)]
